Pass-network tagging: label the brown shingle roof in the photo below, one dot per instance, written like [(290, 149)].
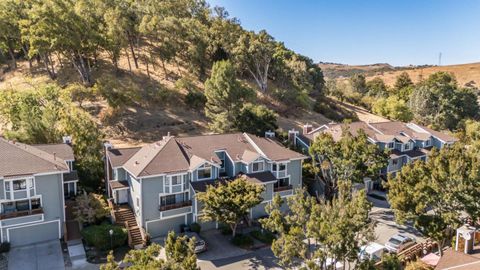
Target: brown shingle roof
[(186, 153), (23, 159), (458, 261), (260, 177), (118, 184), (273, 150), (119, 156), (61, 150)]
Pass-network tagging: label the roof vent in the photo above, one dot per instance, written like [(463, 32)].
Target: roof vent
[(269, 134), (307, 128), (67, 140)]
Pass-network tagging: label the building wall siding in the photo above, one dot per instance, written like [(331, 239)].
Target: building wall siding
[(151, 188)]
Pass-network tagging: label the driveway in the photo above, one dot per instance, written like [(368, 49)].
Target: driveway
[(47, 255), (386, 225)]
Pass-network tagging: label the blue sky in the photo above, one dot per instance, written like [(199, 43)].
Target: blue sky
[(399, 32)]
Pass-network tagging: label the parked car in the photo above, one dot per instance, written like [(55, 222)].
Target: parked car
[(200, 244), (399, 242), (372, 251)]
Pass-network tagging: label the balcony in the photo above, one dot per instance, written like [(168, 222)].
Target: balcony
[(282, 188), (175, 205), (21, 213)]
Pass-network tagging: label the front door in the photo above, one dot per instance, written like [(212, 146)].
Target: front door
[(122, 196)]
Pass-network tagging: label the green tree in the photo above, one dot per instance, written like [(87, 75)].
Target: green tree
[(393, 108), (111, 264), (230, 202), (358, 83), (44, 115), (291, 226), (145, 258), (377, 88), (391, 262), (225, 97), (256, 119), (179, 251), (350, 158), (438, 101), (434, 194), (341, 226), (254, 53), (402, 81)]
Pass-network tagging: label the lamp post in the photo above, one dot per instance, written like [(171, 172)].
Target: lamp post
[(111, 238)]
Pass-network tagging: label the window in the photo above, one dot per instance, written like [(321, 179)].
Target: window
[(282, 182), (204, 172), (427, 142), (407, 146), (394, 162), (19, 184), (257, 166), (176, 180), (21, 205), (391, 145), (138, 202), (174, 199)]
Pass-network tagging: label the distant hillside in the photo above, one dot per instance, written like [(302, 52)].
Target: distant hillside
[(465, 73)]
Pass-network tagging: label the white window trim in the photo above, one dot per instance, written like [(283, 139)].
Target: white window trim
[(224, 160), (24, 199), (276, 173), (393, 145), (258, 161), (169, 185), (12, 192), (160, 195), (203, 167)]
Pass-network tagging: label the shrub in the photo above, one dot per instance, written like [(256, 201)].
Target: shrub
[(195, 227), (195, 100), (91, 208), (4, 247), (329, 109), (264, 237), (99, 236), (225, 230), (242, 240)]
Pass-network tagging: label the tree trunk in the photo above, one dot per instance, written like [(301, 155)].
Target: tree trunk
[(146, 63), (46, 62), (233, 227), (12, 56), (25, 52), (165, 70), (128, 60), (82, 68), (130, 42), (59, 60), (440, 247)]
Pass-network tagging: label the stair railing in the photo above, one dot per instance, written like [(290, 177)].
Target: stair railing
[(128, 234)]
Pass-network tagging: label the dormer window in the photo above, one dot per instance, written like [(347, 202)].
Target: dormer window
[(257, 166), (407, 146), (427, 142), (204, 172), (391, 145)]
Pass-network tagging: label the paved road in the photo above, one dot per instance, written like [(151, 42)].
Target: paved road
[(386, 225), (259, 259)]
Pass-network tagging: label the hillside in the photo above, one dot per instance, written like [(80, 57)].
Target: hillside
[(143, 120), (465, 73)]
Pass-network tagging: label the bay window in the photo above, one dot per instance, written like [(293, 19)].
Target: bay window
[(279, 169), (19, 189)]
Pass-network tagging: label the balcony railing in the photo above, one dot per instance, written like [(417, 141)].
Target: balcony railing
[(282, 188), (175, 205), (21, 213)]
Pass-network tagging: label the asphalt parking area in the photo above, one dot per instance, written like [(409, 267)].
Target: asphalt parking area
[(46, 255)]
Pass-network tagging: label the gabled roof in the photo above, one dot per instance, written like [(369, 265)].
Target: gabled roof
[(187, 153), (384, 131), (23, 159), (61, 150)]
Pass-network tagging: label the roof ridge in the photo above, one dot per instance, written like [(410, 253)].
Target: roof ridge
[(28, 149), (154, 156)]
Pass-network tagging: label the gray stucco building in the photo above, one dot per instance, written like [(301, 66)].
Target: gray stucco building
[(160, 181)]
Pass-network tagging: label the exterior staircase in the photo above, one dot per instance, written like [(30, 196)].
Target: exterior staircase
[(123, 215)]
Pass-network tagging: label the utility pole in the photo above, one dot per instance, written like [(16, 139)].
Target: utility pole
[(440, 59)]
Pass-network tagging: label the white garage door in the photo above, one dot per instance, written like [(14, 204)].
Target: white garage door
[(34, 233)]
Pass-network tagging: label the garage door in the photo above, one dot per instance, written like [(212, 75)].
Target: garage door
[(162, 227), (33, 233)]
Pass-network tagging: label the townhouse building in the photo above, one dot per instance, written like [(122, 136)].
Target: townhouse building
[(159, 182), (406, 142), (34, 182)]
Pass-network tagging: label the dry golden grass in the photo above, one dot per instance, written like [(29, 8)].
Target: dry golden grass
[(464, 73)]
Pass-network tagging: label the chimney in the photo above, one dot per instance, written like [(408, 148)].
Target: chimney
[(292, 134), (269, 134), (67, 140), (307, 128), (465, 238)]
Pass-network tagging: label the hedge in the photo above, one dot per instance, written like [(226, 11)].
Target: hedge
[(99, 236)]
